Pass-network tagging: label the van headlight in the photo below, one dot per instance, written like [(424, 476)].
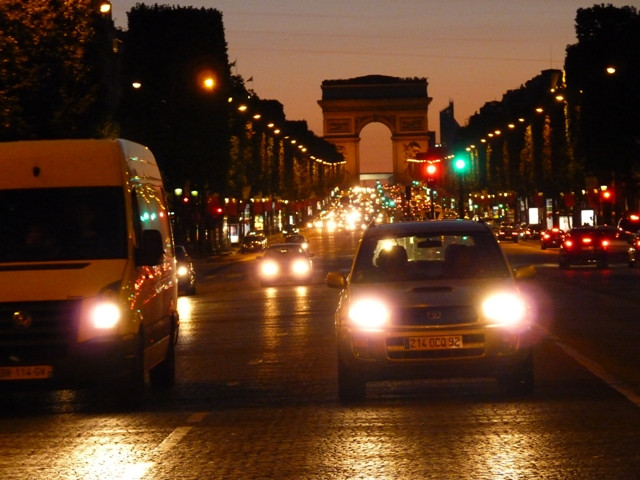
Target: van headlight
[(505, 310), (369, 314), (106, 314)]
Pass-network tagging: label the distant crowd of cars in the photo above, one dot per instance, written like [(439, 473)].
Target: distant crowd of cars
[(587, 245)]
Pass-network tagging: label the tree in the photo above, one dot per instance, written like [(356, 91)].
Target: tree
[(177, 59), (54, 78), (603, 80)]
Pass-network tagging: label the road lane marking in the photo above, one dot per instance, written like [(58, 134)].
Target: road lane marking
[(601, 373), (172, 439)]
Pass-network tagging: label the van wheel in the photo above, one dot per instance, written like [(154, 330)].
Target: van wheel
[(132, 388), (163, 375), (352, 387)]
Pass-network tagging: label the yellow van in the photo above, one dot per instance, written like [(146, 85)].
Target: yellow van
[(88, 286)]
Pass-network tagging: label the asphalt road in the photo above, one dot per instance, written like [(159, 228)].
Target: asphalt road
[(256, 394)]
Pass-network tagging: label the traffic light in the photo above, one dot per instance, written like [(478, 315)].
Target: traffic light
[(429, 171), (460, 163), (606, 195)]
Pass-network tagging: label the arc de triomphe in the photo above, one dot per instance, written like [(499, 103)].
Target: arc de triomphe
[(400, 104)]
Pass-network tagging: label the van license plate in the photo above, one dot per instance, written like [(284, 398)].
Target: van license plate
[(439, 342), (28, 372)]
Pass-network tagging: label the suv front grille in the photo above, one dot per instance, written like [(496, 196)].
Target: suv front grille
[(436, 315)]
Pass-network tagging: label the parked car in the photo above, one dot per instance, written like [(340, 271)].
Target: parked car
[(431, 300), (253, 242), (634, 250), (551, 238), (186, 272), (285, 262)]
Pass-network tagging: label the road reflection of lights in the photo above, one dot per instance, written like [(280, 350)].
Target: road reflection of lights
[(109, 461), (185, 309), (506, 456)]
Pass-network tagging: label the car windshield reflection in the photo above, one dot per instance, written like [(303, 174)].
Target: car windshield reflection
[(415, 258)]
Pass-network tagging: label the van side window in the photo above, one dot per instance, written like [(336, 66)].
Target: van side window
[(137, 223), (150, 213)]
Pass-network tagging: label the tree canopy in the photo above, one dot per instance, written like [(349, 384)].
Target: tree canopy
[(54, 79)]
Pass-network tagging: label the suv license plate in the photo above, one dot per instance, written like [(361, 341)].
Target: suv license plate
[(439, 342), (28, 372)]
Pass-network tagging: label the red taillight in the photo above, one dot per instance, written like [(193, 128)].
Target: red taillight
[(586, 240), (605, 243), (568, 243)]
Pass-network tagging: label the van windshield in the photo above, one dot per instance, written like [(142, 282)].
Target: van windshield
[(62, 224)]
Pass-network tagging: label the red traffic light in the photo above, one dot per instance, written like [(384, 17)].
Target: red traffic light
[(429, 171), (607, 195)]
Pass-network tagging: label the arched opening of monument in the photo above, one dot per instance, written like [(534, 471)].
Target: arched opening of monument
[(360, 112), (376, 151)]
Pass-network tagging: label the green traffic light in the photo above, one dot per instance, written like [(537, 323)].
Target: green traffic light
[(460, 164)]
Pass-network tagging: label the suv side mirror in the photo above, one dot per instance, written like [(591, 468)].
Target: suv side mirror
[(151, 249)]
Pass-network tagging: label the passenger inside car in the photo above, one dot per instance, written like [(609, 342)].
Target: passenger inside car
[(460, 262), (393, 261)]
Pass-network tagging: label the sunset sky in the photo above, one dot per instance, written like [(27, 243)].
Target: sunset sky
[(471, 51)]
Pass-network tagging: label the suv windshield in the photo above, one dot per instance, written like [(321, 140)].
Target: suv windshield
[(62, 224), (428, 257)]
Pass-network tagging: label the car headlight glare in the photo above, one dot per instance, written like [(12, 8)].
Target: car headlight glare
[(504, 310), (105, 315), (182, 271), (300, 267), (269, 268), (369, 314)]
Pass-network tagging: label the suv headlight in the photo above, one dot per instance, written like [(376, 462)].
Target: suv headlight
[(369, 314), (504, 310)]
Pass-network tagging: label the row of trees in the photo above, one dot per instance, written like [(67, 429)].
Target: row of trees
[(565, 135), (166, 82)]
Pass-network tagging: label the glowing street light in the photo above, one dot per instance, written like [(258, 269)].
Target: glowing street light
[(209, 83)]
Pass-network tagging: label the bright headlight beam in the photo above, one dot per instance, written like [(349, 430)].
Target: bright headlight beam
[(269, 268), (105, 315), (300, 267), (504, 309), (369, 314)]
